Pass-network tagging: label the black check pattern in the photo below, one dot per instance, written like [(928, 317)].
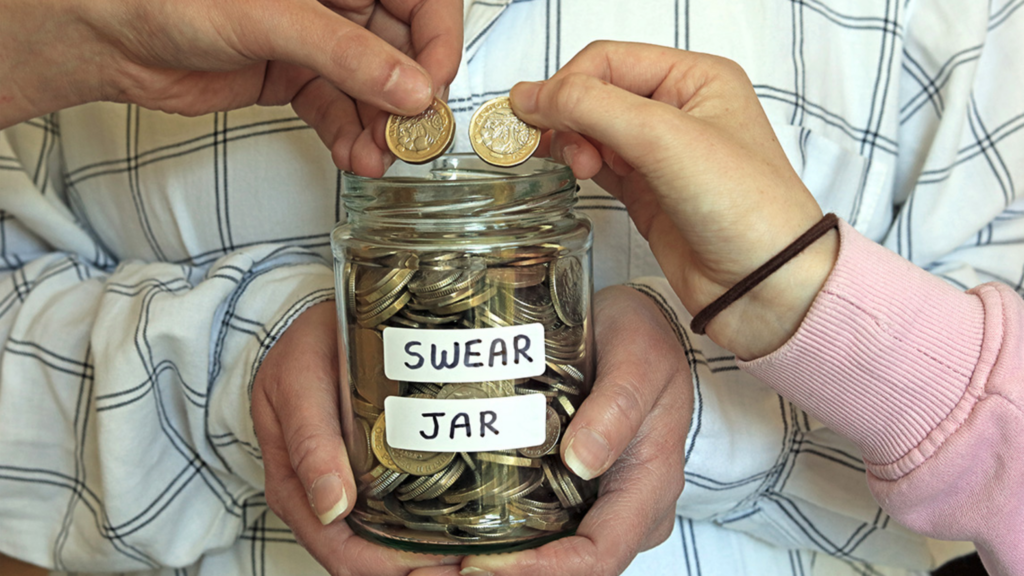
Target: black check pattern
[(147, 264)]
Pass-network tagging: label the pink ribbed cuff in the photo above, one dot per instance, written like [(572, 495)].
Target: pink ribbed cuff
[(885, 356)]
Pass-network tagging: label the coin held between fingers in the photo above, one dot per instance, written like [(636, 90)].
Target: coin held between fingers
[(499, 137), (421, 138)]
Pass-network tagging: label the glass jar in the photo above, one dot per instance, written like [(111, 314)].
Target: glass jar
[(464, 297)]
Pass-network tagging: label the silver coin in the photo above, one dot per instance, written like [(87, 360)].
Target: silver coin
[(568, 293)]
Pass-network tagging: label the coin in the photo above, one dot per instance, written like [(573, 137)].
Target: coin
[(499, 137), (567, 290), (489, 496), (433, 507), (383, 311), (419, 463), (508, 460), (476, 390), (380, 447), (420, 486), (361, 454), (370, 381), (552, 431), (421, 138)]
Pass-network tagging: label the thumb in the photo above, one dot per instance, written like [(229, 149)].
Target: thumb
[(349, 56), (305, 402), (627, 385)]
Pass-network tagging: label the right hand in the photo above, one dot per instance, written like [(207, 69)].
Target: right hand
[(309, 483), (193, 57)]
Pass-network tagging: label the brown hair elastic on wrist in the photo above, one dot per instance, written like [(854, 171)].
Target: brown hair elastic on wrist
[(703, 318)]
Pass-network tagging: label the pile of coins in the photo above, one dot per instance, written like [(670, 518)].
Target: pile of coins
[(497, 135), (460, 498)]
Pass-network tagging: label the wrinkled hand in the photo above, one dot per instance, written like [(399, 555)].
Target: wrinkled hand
[(682, 140), (193, 57), (634, 425), (309, 483)]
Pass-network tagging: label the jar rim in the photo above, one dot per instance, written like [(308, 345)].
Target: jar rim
[(461, 186), (466, 162)]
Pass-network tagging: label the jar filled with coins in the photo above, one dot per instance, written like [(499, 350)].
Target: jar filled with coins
[(464, 296)]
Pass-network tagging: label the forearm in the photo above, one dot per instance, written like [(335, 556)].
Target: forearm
[(925, 380), (49, 59), (767, 316)]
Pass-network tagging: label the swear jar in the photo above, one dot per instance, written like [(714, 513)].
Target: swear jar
[(464, 304)]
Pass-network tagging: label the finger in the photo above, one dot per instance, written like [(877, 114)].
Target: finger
[(578, 153), (661, 73), (333, 116), (334, 545), (627, 383), (305, 402), (351, 57), (283, 82), (644, 484), (637, 128), (659, 531), (436, 29), (436, 571), (368, 159)]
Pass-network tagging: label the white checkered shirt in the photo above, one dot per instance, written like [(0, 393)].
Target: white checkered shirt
[(149, 262)]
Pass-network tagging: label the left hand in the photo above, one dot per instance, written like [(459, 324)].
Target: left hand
[(632, 428), (682, 140)]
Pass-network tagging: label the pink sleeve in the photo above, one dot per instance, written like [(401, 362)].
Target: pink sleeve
[(929, 382)]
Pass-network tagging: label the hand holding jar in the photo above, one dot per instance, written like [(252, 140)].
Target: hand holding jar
[(682, 140)]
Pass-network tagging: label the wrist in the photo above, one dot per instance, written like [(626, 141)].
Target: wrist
[(49, 59), (770, 314)]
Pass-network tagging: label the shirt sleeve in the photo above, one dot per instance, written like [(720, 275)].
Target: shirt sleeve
[(760, 464), (926, 380), (124, 386)]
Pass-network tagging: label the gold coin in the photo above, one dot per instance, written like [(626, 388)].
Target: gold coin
[(568, 292), (508, 460), (421, 138), (380, 447), (370, 381), (420, 463), (361, 454), (553, 431), (499, 137)]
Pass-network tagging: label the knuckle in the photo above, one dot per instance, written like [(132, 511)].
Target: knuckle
[(624, 402), (305, 444), (571, 91), (596, 47), (661, 532), (729, 69)]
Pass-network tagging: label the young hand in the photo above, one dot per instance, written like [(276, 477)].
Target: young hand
[(681, 139)]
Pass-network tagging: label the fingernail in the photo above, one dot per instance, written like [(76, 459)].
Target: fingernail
[(524, 97), (568, 152), (328, 498), (408, 89), (498, 563), (587, 454)]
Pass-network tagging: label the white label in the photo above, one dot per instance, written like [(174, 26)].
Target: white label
[(475, 425), (476, 355)]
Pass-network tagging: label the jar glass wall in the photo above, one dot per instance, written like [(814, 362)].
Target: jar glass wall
[(464, 306)]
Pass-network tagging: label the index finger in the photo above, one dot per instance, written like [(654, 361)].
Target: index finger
[(351, 57), (436, 30)]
